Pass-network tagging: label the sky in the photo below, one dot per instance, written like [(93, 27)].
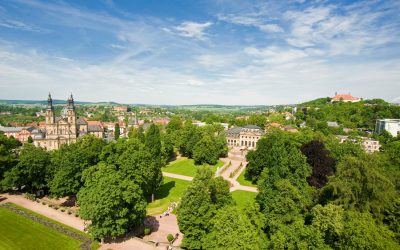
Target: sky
[(199, 52)]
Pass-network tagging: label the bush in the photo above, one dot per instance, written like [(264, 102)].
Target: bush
[(37, 200), (170, 237), (69, 212), (147, 231), (56, 207), (31, 197), (44, 203), (50, 205), (77, 215), (234, 172), (62, 210)]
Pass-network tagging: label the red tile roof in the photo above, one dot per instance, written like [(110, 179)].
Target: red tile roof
[(344, 97)]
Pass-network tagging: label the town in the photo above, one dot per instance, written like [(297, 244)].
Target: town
[(199, 125)]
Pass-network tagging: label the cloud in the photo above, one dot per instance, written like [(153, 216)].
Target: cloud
[(192, 29), (14, 24), (251, 20)]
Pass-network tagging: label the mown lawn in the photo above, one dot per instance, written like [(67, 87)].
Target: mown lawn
[(243, 181), (243, 198), (171, 190), (19, 232), (185, 166)]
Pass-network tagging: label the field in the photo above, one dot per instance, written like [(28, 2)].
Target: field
[(243, 181), (185, 166), (243, 198), (171, 190), (19, 232)]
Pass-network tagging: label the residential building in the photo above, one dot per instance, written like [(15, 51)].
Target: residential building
[(121, 108), (390, 125), (20, 133), (369, 145), (246, 136)]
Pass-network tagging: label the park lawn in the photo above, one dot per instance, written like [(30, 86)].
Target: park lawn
[(243, 181), (185, 166), (19, 232), (243, 198), (171, 190)]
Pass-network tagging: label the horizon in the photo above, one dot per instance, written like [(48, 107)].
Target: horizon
[(232, 53)]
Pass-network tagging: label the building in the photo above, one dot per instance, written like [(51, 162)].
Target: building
[(20, 133), (345, 98), (163, 121), (246, 136), (390, 125), (368, 144), (60, 130), (121, 108)]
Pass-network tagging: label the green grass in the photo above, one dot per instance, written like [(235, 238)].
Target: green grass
[(243, 181), (19, 232), (185, 166), (243, 198), (171, 190)]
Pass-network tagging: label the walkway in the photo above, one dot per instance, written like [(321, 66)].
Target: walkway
[(178, 176), (70, 220), (236, 157)]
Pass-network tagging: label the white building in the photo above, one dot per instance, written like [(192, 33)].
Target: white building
[(390, 125), (368, 144)]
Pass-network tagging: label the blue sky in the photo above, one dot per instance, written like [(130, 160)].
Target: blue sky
[(192, 52)]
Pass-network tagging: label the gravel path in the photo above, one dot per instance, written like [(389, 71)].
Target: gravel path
[(178, 176)]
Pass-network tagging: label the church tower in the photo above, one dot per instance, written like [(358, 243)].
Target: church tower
[(50, 118), (71, 115)]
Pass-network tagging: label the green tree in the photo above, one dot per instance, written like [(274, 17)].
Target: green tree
[(30, 170), (113, 203), (117, 131), (8, 153), (69, 162), (205, 151), (230, 228), (153, 146), (30, 140)]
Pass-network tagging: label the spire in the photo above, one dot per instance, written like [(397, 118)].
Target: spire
[(71, 101), (49, 102)]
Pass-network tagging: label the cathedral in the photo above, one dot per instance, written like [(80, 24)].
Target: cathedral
[(60, 130)]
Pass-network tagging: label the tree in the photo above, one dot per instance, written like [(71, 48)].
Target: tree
[(8, 154), (30, 140), (205, 151), (189, 137), (117, 131), (153, 146), (30, 171), (198, 206), (70, 161), (360, 184), (230, 228), (113, 203), (320, 161)]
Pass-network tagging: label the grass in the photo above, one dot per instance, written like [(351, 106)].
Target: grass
[(19, 232), (243, 181), (243, 198), (171, 190), (185, 166)]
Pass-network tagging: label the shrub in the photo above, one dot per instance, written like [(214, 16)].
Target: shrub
[(69, 212), (170, 237), (31, 197), (37, 200), (226, 167), (62, 210), (50, 205), (77, 215), (147, 231), (44, 203), (56, 207), (234, 172)]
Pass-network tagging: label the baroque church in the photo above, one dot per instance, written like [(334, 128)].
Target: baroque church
[(60, 130)]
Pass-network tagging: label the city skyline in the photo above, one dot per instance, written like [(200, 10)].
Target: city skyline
[(199, 52)]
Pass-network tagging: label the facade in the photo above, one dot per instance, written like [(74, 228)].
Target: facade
[(390, 125), (20, 133), (60, 130), (368, 144), (246, 136), (345, 98), (121, 108)]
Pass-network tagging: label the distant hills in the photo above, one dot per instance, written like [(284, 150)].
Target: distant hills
[(44, 102)]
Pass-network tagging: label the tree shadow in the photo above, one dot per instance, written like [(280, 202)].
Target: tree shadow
[(164, 190), (70, 202), (152, 222)]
